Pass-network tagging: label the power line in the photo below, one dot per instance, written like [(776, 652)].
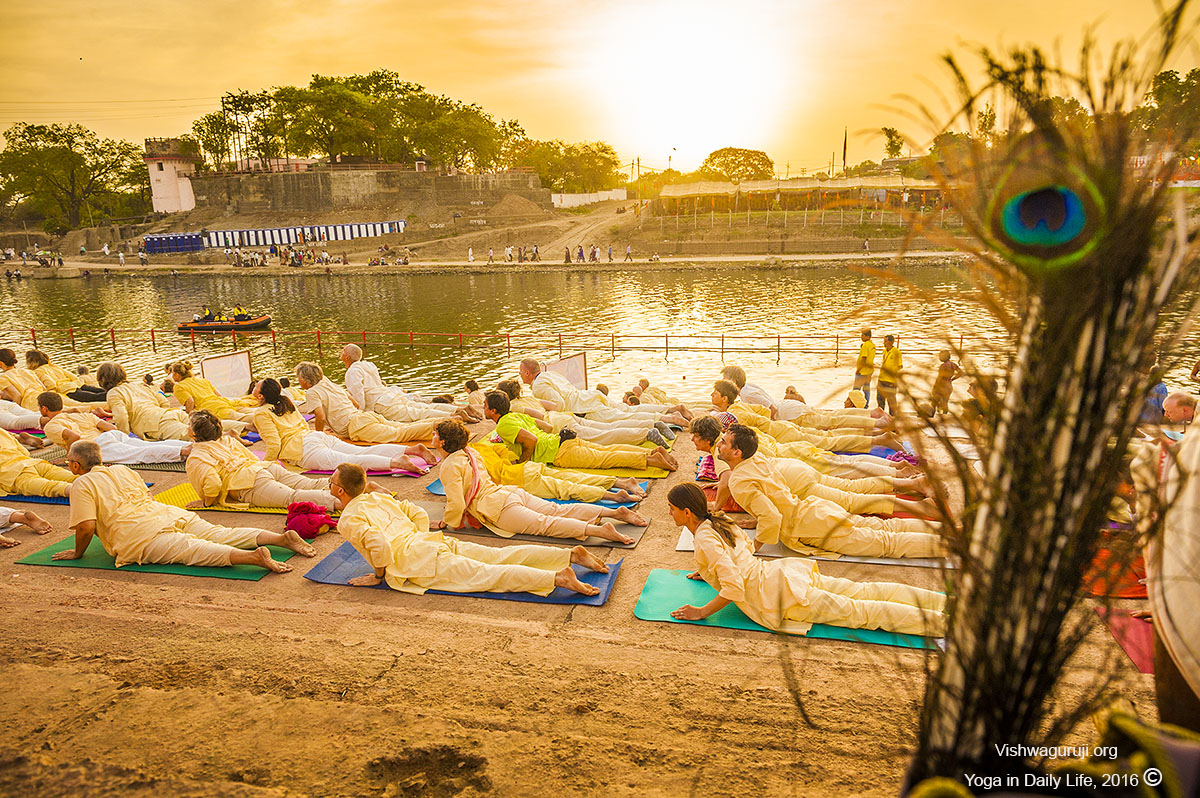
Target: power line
[(107, 102)]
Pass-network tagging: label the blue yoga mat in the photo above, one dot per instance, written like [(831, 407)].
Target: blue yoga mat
[(36, 499), (883, 451), (438, 489), (344, 563), (668, 590)]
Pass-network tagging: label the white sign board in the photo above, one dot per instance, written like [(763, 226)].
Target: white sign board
[(230, 374), (574, 368)]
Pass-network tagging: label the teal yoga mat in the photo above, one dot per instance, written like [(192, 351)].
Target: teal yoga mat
[(97, 557), (668, 590)]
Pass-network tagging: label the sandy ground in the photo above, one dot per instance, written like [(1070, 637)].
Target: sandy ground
[(149, 685)]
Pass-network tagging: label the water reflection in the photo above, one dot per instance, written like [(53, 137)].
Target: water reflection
[(824, 302)]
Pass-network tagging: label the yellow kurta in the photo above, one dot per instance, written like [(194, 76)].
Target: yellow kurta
[(25, 383), (763, 589), (819, 523), (85, 425), (558, 389), (57, 379), (22, 474), (205, 397), (335, 402), (217, 467), (394, 536), (457, 477), (282, 435), (526, 404), (558, 483), (139, 409), (127, 517)]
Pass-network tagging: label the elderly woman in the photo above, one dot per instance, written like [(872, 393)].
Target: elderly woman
[(139, 409), (223, 472)]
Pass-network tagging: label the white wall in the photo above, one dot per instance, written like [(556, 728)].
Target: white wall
[(170, 187), (576, 200)]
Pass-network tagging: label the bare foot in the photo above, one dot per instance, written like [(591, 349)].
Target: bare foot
[(31, 441), (373, 486), (7, 543), (403, 463), (262, 558), (661, 460), (620, 496), (293, 541), (567, 578), (628, 516), (37, 523), (630, 485), (581, 556), (422, 451), (607, 531)]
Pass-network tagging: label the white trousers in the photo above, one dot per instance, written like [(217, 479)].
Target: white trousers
[(117, 447)]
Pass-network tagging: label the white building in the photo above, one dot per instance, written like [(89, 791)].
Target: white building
[(170, 165)]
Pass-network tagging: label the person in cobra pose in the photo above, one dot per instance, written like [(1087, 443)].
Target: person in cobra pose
[(138, 409), (196, 393), (289, 438)]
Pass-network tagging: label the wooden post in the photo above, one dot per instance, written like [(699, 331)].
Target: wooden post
[(778, 348), (410, 339), (193, 340), (666, 346), (33, 335), (614, 345), (460, 342), (71, 332), (837, 343), (274, 343), (560, 349), (508, 343), (722, 347), (233, 335), (318, 340), (364, 337), (153, 345), (112, 334)]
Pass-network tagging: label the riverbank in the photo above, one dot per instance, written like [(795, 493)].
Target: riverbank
[(164, 265)]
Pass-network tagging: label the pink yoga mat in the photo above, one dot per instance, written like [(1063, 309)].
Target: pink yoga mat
[(1135, 636), (388, 472), (30, 431)]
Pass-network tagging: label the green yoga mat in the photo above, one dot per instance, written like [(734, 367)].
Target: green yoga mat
[(97, 557), (668, 590)]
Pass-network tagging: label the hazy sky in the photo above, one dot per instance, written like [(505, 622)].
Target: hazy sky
[(654, 78)]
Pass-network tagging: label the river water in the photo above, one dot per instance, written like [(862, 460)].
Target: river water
[(656, 317)]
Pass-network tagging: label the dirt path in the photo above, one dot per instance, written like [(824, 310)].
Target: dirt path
[(142, 684)]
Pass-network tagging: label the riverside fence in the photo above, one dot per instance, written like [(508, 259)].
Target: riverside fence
[(612, 342)]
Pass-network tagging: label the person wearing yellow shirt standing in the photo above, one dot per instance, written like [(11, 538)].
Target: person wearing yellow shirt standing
[(889, 374), (864, 367)]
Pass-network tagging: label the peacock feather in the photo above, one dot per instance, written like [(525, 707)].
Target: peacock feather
[(1071, 236)]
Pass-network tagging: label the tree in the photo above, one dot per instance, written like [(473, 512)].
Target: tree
[(894, 144), (63, 168), (572, 168), (736, 164), (213, 133), (1168, 105)]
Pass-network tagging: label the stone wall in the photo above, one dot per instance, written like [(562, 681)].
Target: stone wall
[(325, 189)]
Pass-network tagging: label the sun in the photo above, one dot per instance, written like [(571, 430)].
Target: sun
[(682, 79)]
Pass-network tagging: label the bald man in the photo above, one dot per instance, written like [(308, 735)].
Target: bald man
[(556, 392), (1179, 408), (334, 409), (112, 503), (369, 393)]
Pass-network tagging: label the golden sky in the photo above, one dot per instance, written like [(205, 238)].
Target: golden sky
[(654, 78)]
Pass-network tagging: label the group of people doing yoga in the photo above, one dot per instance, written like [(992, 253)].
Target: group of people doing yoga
[(774, 458)]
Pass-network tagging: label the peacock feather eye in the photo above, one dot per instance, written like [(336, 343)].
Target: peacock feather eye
[(1045, 217)]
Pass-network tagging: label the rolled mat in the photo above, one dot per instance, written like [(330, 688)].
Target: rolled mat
[(775, 550), (668, 590), (184, 494), (49, 453), (438, 489), (181, 466), (97, 557), (437, 511), (344, 563), (1133, 635)]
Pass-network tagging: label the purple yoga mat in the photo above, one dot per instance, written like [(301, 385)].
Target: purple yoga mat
[(388, 472), (1135, 636)]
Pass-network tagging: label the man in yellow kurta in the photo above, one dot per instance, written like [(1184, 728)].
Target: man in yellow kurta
[(725, 400), (864, 365), (889, 374), (813, 521), (334, 409), (394, 537), (23, 475), (64, 427), (531, 439), (554, 483), (868, 494), (112, 503)]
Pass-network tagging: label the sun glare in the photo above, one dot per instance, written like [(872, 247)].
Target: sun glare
[(685, 79)]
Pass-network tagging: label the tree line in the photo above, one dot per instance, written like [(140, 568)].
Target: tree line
[(63, 176)]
